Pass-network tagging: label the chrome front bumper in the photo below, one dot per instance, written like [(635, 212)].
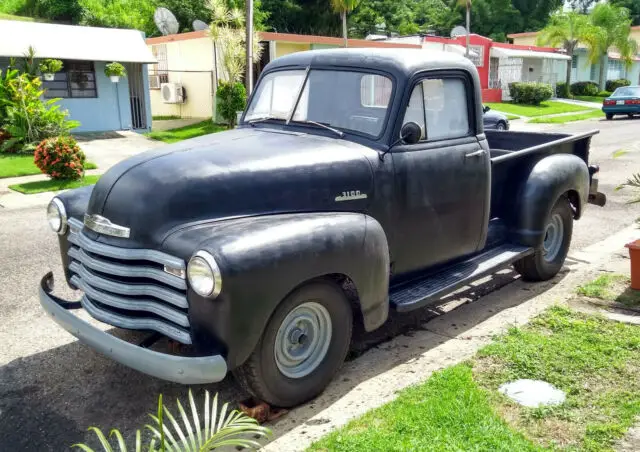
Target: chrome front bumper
[(179, 369)]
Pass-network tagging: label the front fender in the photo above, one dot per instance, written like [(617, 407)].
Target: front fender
[(548, 180), (264, 259)]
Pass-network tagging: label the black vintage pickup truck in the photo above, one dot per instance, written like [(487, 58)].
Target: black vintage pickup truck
[(359, 181)]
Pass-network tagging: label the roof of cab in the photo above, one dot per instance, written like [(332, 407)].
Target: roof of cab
[(399, 61)]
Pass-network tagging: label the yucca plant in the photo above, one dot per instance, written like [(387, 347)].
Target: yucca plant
[(632, 182), (218, 428)]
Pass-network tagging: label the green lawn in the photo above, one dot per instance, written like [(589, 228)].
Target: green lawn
[(597, 99), (611, 287), (184, 133), (595, 361), (548, 107), (21, 18), (12, 165), (512, 117), (29, 188), (568, 118), (165, 117)]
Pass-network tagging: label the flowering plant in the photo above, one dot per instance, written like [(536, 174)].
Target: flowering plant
[(60, 158)]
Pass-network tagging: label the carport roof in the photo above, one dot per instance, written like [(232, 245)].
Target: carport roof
[(70, 42), (522, 53)]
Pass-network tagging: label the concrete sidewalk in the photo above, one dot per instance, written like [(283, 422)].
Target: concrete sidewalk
[(581, 103)]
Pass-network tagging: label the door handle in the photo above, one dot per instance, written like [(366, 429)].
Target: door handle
[(475, 154)]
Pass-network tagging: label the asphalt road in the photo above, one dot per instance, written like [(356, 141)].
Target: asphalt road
[(52, 388)]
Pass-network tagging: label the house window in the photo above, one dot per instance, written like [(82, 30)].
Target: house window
[(76, 80), (162, 68), (615, 70), (574, 62), (479, 59), (594, 72), (494, 73)]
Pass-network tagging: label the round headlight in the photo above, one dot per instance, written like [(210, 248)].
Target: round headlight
[(57, 216), (204, 275)]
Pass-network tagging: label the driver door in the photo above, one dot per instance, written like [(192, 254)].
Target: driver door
[(442, 182)]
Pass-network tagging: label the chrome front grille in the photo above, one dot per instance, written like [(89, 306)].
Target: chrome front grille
[(129, 288)]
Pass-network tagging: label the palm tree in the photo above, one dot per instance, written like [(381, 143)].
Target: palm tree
[(467, 5), (344, 7), (566, 30), (611, 29)]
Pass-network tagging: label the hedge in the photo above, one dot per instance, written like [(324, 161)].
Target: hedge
[(613, 85), (585, 89), (531, 93), (562, 90)]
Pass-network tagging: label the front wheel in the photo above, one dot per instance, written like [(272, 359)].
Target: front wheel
[(550, 254), (501, 126), (609, 116), (303, 346)]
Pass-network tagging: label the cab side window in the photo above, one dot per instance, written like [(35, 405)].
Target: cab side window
[(440, 107)]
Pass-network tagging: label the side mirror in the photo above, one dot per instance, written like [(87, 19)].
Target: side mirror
[(486, 109), (411, 133)]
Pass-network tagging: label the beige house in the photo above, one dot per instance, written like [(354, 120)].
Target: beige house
[(583, 70), (183, 81)]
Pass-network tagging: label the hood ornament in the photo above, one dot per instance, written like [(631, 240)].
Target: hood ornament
[(102, 225)]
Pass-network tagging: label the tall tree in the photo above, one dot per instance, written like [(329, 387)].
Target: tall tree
[(344, 7), (535, 14), (582, 6), (566, 30), (632, 5), (611, 29)]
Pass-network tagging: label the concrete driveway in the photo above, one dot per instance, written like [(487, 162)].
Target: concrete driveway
[(107, 149), (52, 388)]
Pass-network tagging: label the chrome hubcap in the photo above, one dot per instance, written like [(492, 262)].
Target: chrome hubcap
[(553, 238), (303, 340)]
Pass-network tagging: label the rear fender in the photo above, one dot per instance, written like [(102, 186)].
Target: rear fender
[(549, 179), (264, 259)]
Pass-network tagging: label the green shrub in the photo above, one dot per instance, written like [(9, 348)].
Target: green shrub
[(115, 70), (27, 118), (604, 94), (584, 89), (61, 158), (232, 97), (50, 66), (531, 93), (613, 85), (562, 90)]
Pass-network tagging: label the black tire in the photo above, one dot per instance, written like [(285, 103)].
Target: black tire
[(536, 267), (609, 116), (501, 126), (260, 374), (630, 115)]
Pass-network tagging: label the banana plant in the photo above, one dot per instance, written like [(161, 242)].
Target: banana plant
[(218, 428)]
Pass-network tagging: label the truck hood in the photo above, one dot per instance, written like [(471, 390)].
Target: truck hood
[(238, 173)]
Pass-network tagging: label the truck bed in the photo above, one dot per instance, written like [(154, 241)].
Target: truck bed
[(514, 153)]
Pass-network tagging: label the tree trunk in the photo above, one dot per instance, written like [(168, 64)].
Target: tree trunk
[(569, 69), (344, 28), (602, 80), (468, 29)]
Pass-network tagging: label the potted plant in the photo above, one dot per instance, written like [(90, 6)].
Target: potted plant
[(49, 67), (114, 71)]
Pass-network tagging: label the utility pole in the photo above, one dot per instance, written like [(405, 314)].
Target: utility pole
[(248, 79), (468, 26)]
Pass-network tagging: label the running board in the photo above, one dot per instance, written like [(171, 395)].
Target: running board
[(421, 292)]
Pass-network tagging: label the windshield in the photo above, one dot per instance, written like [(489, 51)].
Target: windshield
[(627, 91), (347, 100)]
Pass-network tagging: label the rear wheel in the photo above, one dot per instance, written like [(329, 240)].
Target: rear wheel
[(501, 126), (609, 116), (630, 115), (550, 254), (302, 347)]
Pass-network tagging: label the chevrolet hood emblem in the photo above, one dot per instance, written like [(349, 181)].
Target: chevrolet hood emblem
[(102, 225)]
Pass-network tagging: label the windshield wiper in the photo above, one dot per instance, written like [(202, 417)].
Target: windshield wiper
[(262, 119), (340, 133)]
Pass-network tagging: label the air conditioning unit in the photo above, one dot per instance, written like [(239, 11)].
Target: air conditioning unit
[(154, 81), (172, 93)]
